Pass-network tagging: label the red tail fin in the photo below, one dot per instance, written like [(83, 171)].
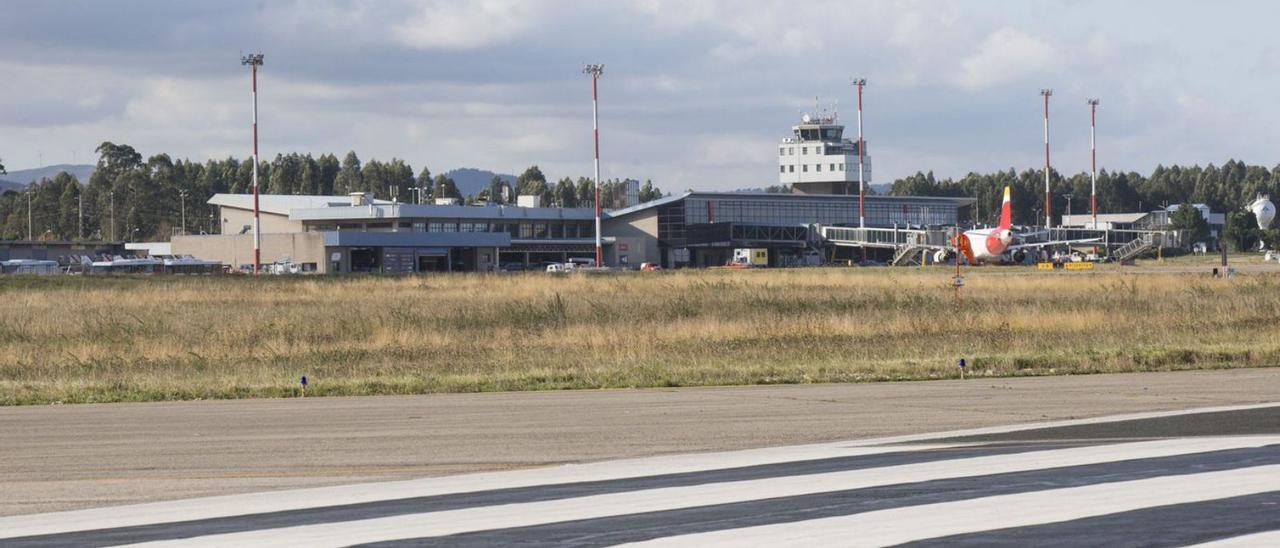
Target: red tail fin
[(1006, 211)]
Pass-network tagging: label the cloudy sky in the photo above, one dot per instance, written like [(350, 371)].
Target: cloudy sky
[(695, 93)]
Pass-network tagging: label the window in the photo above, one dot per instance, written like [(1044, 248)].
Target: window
[(833, 167), (557, 230), (782, 151), (782, 169), (818, 167), (819, 150), (419, 227), (841, 167), (791, 151), (526, 230), (805, 168), (804, 150), (791, 169)]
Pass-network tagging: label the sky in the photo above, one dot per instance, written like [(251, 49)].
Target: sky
[(695, 94)]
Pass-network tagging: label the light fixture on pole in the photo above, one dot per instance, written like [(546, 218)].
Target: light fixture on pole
[(30, 224), (1048, 216), (1068, 197), (182, 198), (862, 217), (595, 71), (1093, 162), (254, 60), (111, 196)]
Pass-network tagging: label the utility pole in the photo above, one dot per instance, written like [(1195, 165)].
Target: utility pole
[(182, 197), (80, 215), (1048, 216), (1093, 161), (862, 217), (595, 71), (254, 60)]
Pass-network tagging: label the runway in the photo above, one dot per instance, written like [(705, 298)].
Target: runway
[(68, 457), (1174, 478)]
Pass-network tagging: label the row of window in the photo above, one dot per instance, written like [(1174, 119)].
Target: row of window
[(805, 168), (801, 212), (791, 151), (522, 230)]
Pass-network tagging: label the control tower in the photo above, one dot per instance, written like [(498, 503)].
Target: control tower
[(817, 159)]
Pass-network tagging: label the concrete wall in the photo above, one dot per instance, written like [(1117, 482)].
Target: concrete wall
[(638, 233), (234, 219), (237, 249)]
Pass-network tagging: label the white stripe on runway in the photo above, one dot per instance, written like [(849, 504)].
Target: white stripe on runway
[(899, 525), (652, 500), (301, 499), (1268, 538)]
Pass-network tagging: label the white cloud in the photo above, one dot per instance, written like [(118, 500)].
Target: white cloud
[(1005, 56), (450, 25)]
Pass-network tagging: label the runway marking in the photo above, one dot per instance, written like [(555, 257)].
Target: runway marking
[(821, 482), (279, 501), (889, 527), (652, 500), (1269, 538)]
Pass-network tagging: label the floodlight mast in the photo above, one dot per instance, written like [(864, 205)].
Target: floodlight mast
[(254, 60), (595, 71), (1093, 161), (1048, 216), (862, 218)]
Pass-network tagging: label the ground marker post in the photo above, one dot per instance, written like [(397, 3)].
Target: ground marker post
[(961, 368), (304, 386)]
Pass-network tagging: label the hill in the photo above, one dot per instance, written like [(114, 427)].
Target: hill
[(20, 178), (471, 181)]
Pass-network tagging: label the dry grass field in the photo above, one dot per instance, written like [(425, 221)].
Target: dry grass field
[(75, 339)]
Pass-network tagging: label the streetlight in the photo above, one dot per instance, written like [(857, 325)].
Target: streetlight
[(1048, 216), (254, 60), (30, 224), (595, 71), (182, 197), (111, 195), (1093, 161), (1068, 197), (862, 219)]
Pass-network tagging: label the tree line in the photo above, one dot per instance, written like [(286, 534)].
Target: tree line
[(1228, 189), (129, 198)]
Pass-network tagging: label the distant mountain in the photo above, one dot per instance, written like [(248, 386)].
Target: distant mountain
[(19, 179), (471, 181)]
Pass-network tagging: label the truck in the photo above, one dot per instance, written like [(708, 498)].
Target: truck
[(751, 256)]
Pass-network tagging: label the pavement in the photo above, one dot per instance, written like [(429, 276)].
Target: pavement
[(1208, 476), (67, 457)]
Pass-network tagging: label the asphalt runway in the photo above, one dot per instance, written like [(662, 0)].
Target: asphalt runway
[(86, 456), (1152, 479)]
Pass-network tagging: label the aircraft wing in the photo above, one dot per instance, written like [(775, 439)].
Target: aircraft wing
[(1056, 242)]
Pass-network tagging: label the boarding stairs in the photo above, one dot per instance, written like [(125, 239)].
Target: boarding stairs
[(907, 255), (1136, 247)]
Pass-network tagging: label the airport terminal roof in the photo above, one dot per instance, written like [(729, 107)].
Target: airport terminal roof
[(787, 197), (282, 204)]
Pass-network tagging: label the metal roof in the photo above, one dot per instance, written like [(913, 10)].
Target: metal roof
[(778, 197), (282, 204)]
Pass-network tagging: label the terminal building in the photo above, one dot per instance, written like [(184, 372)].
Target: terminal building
[(357, 233)]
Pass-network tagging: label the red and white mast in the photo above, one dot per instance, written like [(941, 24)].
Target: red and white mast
[(1048, 216), (595, 71), (862, 217), (254, 61), (1093, 160)]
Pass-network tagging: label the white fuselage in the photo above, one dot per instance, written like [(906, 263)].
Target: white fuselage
[(989, 243)]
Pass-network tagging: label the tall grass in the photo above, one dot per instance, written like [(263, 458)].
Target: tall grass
[(135, 339)]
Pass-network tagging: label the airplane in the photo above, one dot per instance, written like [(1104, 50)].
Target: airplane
[(991, 244)]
